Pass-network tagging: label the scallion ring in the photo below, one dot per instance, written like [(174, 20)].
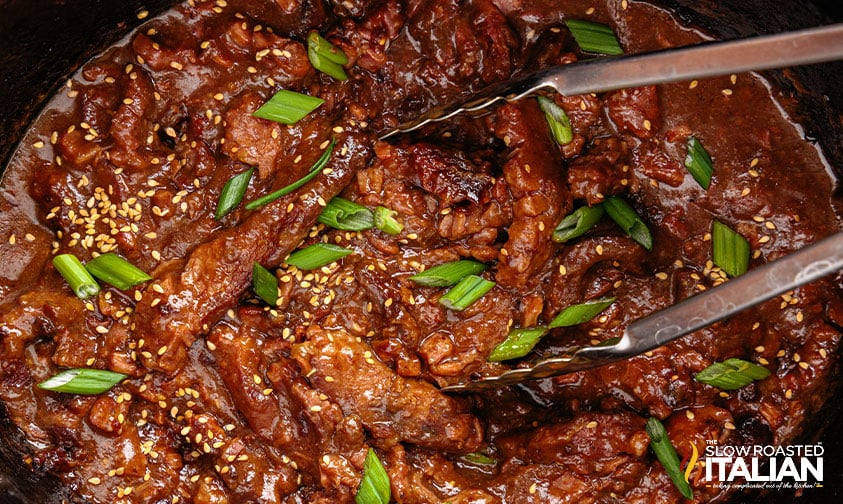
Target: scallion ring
[(385, 221), (577, 223), (288, 107), (265, 284), (317, 255), (374, 486), (730, 250), (698, 162), (341, 213), (732, 374), (82, 381), (232, 193), (517, 344), (468, 290), (557, 120), (580, 313), (114, 270), (80, 280), (666, 454), (594, 37), (624, 215), (448, 274)]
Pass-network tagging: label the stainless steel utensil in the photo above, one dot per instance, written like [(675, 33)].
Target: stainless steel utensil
[(754, 287), (710, 59)]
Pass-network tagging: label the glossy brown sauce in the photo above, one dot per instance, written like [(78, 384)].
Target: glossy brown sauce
[(229, 401)]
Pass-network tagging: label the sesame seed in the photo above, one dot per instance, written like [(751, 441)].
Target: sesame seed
[(162, 350), (143, 14), (661, 275), (726, 92), (689, 414), (590, 425), (533, 488), (729, 426), (693, 84)]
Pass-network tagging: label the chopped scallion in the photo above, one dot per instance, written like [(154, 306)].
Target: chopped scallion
[(374, 486), (730, 250), (314, 170), (82, 381), (232, 193), (580, 313), (447, 274), (326, 57), (557, 119), (732, 374), (288, 107), (577, 223), (346, 215), (80, 280), (317, 255), (385, 221), (517, 344), (468, 290), (666, 454), (113, 269), (623, 214), (698, 163), (478, 458), (265, 284), (594, 37)]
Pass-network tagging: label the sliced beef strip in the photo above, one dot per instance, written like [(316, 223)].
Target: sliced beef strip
[(535, 175), (213, 276), (394, 409)]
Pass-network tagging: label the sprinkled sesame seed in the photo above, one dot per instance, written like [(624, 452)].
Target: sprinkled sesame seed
[(693, 84), (726, 92), (661, 275), (689, 414)]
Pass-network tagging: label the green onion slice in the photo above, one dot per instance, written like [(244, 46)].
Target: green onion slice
[(478, 458), (580, 313), (346, 215), (623, 214), (265, 284), (82, 381), (517, 344), (288, 107), (113, 269), (698, 163), (232, 193), (326, 57), (468, 290), (317, 255), (577, 223), (730, 250), (594, 37), (374, 486), (448, 274), (557, 119), (666, 454), (314, 170), (80, 280), (732, 374), (385, 221)]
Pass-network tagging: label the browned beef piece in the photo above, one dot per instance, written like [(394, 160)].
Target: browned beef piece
[(295, 17), (635, 111), (213, 276), (535, 175), (600, 172), (270, 416), (392, 408), (447, 49)]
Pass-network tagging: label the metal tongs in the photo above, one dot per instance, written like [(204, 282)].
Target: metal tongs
[(709, 59), (754, 287)]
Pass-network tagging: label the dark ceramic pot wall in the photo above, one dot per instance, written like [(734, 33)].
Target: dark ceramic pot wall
[(44, 41)]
